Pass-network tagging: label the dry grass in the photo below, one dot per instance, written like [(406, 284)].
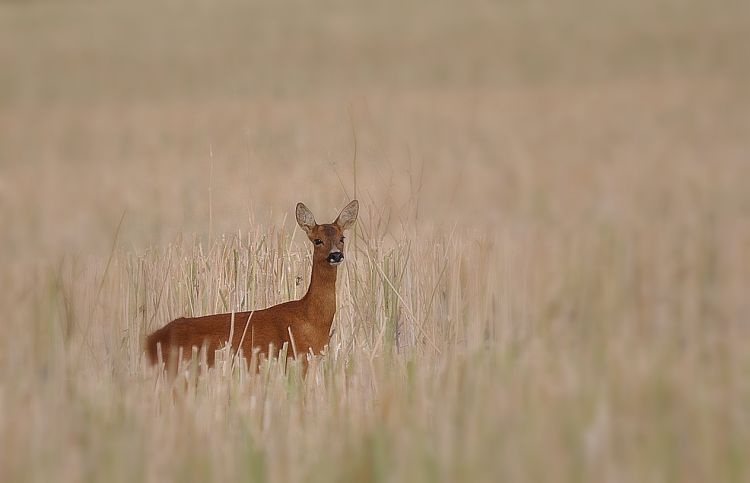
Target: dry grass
[(548, 281)]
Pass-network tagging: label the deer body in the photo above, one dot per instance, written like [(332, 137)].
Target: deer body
[(303, 324)]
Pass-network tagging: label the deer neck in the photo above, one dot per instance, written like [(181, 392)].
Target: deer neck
[(320, 299)]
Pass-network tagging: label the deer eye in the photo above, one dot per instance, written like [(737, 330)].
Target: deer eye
[(342, 239), (318, 241)]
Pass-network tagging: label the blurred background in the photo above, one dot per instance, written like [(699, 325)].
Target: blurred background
[(488, 113)]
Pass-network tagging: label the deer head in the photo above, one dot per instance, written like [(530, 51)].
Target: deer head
[(327, 239)]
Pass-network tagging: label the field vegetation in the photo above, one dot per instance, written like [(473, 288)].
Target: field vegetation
[(548, 280)]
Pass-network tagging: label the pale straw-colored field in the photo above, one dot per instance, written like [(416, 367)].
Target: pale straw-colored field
[(549, 280)]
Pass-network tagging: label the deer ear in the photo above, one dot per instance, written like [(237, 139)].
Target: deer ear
[(348, 215), (305, 218)]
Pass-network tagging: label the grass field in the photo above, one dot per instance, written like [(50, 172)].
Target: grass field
[(548, 281)]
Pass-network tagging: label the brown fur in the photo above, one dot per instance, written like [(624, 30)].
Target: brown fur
[(308, 319)]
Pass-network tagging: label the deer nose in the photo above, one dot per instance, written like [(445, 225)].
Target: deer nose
[(335, 257)]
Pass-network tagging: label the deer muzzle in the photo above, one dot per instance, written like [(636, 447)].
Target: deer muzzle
[(334, 258)]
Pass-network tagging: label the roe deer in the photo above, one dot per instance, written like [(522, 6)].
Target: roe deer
[(303, 324)]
